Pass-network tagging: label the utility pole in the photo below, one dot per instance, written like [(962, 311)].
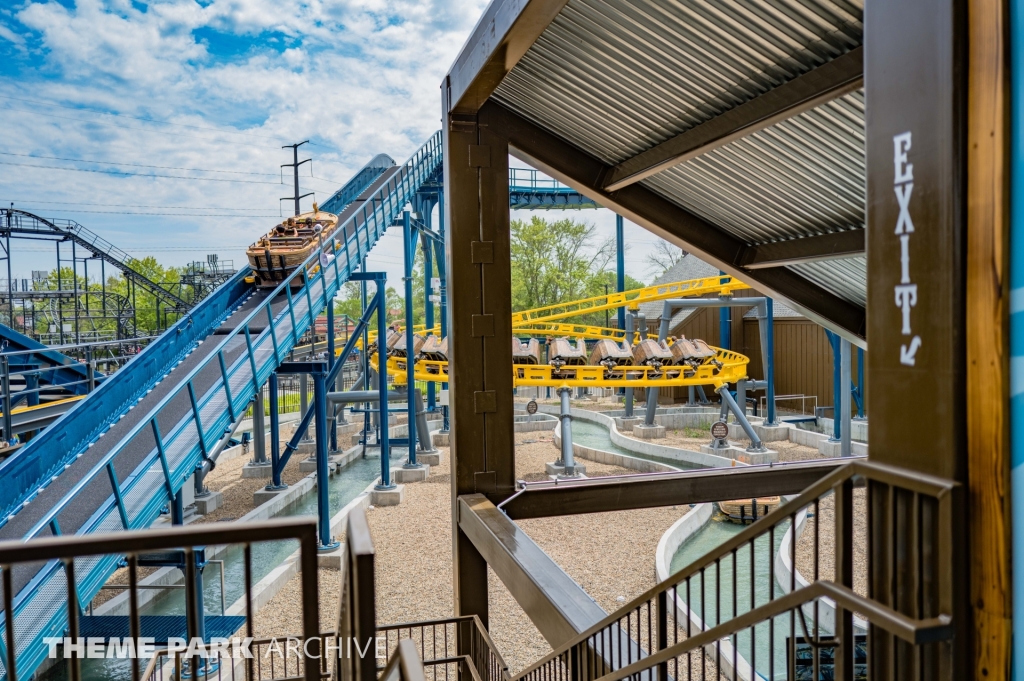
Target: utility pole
[(294, 165)]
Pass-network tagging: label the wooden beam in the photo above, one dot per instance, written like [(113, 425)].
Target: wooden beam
[(988, 350), (574, 167), (843, 244), (833, 79), (507, 29), (629, 492)]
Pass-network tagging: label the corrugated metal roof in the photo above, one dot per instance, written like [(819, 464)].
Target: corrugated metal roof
[(617, 77)]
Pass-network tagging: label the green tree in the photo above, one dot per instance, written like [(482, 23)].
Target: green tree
[(560, 261)]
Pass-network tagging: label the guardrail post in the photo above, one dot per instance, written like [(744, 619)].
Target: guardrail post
[(846, 645)]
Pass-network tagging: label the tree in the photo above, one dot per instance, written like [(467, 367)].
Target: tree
[(556, 262), (665, 256)]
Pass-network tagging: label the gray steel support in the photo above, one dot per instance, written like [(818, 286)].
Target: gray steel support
[(566, 460), (671, 306), (755, 442), (845, 368)]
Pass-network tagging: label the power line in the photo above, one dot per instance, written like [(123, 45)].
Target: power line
[(148, 120), (123, 174), (124, 127), (191, 215), (124, 205), (135, 165)]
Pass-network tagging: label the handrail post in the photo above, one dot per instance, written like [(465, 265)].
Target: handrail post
[(273, 334), (199, 422), (291, 311), (845, 633), (227, 386)]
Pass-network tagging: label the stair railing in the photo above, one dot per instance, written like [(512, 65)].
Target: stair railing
[(762, 603)]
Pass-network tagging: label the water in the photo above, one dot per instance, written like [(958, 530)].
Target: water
[(266, 556), (714, 534), (596, 436)]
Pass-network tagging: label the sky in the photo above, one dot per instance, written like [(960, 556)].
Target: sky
[(159, 125)]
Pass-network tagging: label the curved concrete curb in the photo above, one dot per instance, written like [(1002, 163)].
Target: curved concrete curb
[(674, 537), (784, 573), (612, 458), (643, 448)]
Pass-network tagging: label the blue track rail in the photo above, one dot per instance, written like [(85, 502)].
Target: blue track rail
[(114, 460)]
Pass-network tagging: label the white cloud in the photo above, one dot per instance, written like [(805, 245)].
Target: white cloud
[(359, 77)]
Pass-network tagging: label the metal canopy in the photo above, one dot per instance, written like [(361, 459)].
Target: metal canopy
[(746, 116)]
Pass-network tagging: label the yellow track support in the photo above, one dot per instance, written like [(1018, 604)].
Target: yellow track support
[(679, 289), (734, 368)]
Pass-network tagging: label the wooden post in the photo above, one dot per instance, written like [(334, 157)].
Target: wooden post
[(988, 353), (479, 332)]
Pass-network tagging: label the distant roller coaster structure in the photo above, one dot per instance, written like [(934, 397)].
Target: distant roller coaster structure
[(58, 311)]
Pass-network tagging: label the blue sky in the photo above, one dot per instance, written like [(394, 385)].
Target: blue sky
[(130, 92)]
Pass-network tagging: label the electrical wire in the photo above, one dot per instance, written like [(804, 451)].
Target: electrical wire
[(121, 126), (123, 174), (124, 205), (135, 165), (148, 120)]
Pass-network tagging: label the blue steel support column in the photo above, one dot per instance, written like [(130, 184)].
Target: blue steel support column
[(410, 355), (1017, 330), (837, 387), (275, 437), (382, 386), (428, 307), (620, 266), (860, 384), (330, 365), (769, 371), (365, 354), (323, 499)]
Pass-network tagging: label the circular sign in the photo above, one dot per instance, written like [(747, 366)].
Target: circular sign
[(719, 430), (531, 407)]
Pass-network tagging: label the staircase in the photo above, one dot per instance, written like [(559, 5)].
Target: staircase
[(114, 460)]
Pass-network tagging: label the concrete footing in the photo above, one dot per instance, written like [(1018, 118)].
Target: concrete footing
[(626, 423), (331, 559), (209, 503), (306, 447), (555, 469), (441, 439), (404, 475), (834, 449), (307, 465), (253, 470), (772, 433), (429, 458), (262, 496), (388, 497), (741, 454), (645, 432)]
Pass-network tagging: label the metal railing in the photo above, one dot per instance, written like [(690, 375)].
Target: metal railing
[(70, 554), (443, 641), (244, 362), (777, 600)]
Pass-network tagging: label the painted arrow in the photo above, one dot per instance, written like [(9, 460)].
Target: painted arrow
[(907, 354)]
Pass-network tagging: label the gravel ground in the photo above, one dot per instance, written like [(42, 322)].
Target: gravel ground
[(609, 555), (237, 491)]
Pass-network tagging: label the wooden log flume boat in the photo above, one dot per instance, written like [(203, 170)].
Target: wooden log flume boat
[(278, 252), (743, 510)]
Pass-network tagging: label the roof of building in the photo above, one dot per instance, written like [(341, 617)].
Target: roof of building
[(735, 130)]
